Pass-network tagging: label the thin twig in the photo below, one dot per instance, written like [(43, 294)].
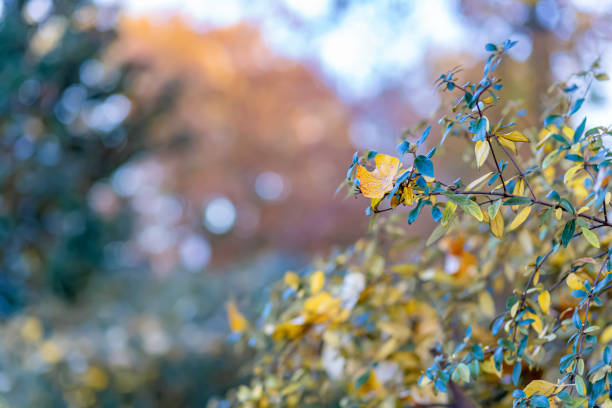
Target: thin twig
[(516, 166)]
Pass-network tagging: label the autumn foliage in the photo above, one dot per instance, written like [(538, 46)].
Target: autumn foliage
[(503, 305)]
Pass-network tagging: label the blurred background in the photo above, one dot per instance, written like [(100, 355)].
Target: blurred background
[(159, 158)]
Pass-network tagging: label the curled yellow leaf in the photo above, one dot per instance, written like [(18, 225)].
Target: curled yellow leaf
[(520, 218), (375, 184)]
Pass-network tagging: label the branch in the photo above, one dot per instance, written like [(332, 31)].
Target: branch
[(533, 201), (501, 177), (516, 166)]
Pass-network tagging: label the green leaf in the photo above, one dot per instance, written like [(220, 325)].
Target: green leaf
[(568, 232), (551, 158), (424, 166), (414, 213), (473, 209), (580, 387), (362, 380), (517, 201), (591, 237), (461, 372), (494, 208), (567, 206), (437, 233), (516, 373), (456, 198)]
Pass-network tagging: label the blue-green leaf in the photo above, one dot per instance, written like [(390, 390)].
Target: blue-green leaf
[(424, 165)]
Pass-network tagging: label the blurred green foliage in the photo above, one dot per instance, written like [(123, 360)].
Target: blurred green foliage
[(65, 116)]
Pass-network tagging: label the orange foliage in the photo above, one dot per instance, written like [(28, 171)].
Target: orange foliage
[(248, 111)]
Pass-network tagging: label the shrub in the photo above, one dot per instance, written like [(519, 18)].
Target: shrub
[(505, 303)]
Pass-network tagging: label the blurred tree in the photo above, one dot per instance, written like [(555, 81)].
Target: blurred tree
[(262, 126), (67, 122)]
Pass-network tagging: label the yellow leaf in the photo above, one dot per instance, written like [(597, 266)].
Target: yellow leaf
[(591, 237), (478, 181), (488, 366), (386, 349), (508, 143), (486, 303), (408, 196), (292, 280), (549, 174), (374, 202), (488, 100), (497, 225), (568, 133), (519, 187), (539, 387), (96, 378), (544, 301), (288, 330), (32, 329), (482, 152), (404, 269), (375, 184), (574, 282), (537, 322), (514, 136), (317, 281), (236, 320), (582, 209), (321, 308), (571, 172), (606, 335), (558, 213), (371, 384), (50, 352), (520, 218)]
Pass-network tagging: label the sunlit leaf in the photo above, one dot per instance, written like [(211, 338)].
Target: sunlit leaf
[(590, 236), (514, 136), (497, 225), (474, 184), (520, 218), (377, 183), (540, 387), (482, 152), (544, 300)]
